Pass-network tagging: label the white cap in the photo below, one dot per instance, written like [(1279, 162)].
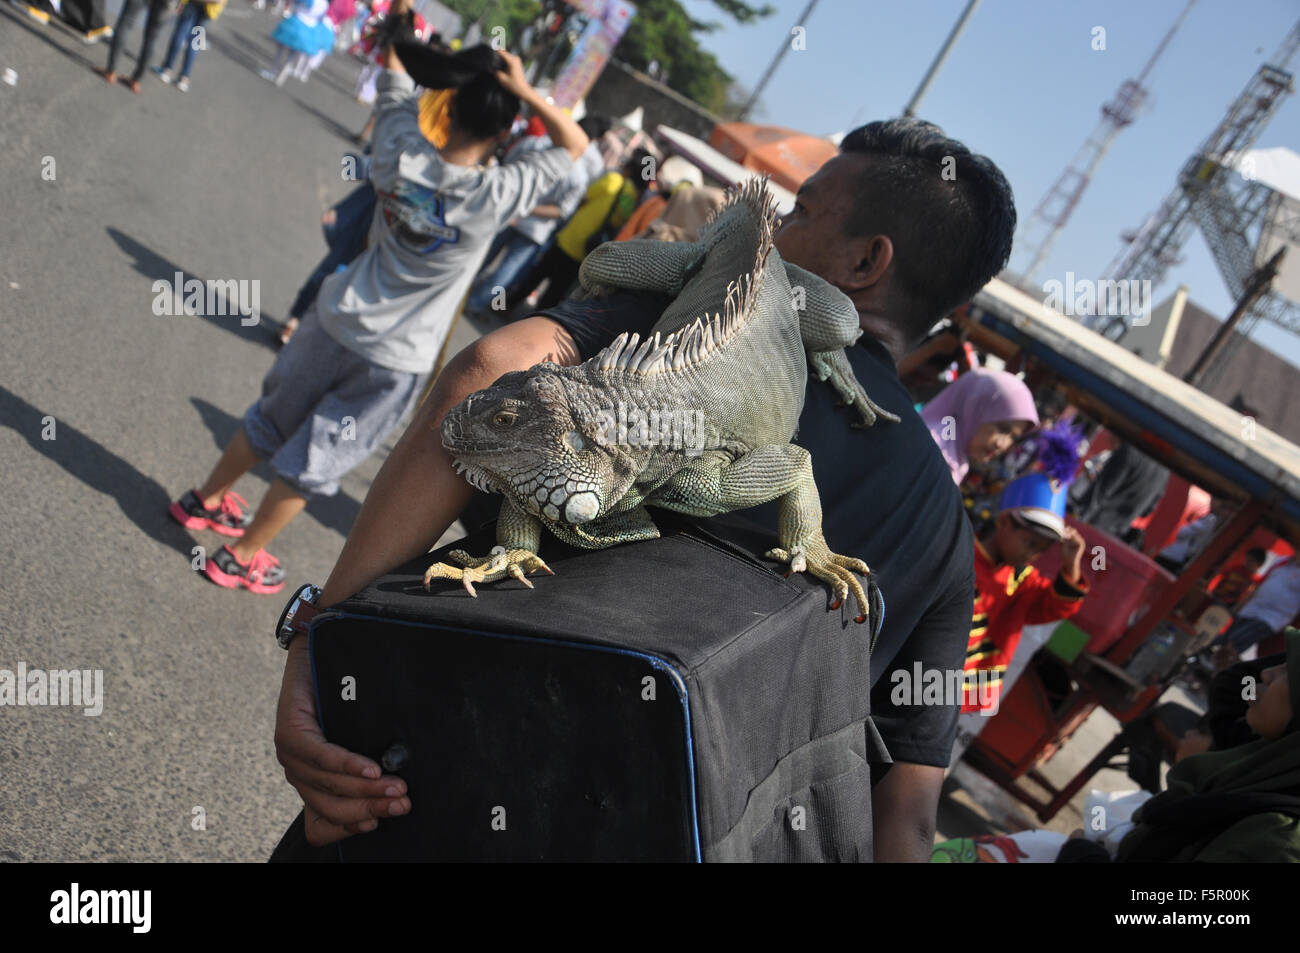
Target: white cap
[(675, 170), (1044, 522)]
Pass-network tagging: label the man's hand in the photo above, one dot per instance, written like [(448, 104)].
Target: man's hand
[(1072, 546), (415, 496), (343, 793)]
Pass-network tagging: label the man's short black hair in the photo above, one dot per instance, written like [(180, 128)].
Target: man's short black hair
[(949, 213)]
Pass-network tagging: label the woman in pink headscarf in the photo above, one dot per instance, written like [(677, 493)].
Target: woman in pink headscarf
[(978, 417)]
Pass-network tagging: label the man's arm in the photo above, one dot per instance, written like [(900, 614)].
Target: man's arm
[(413, 500), (905, 801), (417, 493), (903, 808)]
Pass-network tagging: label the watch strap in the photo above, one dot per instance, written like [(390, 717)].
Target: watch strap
[(297, 616)]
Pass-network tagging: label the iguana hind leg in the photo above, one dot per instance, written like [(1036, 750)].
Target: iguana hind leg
[(519, 536), (799, 529), (713, 485)]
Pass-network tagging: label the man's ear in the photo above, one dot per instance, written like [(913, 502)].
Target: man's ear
[(872, 256)]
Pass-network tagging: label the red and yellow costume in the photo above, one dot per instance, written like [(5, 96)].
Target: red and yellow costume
[(1233, 583), (1006, 600)]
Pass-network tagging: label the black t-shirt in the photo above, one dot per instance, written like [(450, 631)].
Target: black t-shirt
[(887, 497)]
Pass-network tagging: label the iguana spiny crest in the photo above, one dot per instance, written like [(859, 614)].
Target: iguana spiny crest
[(696, 418)]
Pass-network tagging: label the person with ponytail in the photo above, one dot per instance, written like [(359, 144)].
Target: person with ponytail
[(363, 352)]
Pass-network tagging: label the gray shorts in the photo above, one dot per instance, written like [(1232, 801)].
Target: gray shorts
[(324, 409)]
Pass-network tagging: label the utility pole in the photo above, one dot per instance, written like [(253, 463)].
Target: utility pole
[(910, 111), (776, 61), (1256, 285), (488, 8), (1054, 211)]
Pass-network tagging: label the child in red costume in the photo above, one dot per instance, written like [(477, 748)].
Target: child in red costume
[(1240, 576), (1009, 592)]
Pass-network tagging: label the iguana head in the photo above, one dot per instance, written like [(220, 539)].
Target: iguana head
[(535, 436)]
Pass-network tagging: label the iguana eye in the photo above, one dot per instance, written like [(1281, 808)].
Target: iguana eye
[(504, 418)]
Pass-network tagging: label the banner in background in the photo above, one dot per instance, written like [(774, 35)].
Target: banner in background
[(608, 22)]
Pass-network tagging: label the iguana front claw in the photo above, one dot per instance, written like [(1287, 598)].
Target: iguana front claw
[(498, 564), (830, 567)]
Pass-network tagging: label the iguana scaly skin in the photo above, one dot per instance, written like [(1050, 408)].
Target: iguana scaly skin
[(696, 419)]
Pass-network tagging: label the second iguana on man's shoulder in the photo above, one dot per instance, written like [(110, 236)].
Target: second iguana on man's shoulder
[(697, 418)]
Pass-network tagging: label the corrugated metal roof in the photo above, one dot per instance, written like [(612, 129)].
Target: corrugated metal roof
[(1267, 384)]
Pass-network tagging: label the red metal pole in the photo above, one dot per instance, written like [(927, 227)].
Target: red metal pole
[(1227, 539), (1223, 543)]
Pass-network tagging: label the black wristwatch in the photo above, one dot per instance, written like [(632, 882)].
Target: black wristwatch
[(297, 615)]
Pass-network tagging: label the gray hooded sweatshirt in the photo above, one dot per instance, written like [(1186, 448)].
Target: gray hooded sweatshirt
[(433, 225)]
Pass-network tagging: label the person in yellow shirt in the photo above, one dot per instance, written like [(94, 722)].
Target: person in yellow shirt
[(608, 204)]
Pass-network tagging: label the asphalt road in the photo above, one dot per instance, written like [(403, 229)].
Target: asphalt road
[(101, 194)]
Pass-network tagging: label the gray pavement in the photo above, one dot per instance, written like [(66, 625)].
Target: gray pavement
[(226, 181)]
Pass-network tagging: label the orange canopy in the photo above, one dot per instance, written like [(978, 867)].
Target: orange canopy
[(788, 156)]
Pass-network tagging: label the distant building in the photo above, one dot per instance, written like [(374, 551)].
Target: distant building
[(1255, 381)]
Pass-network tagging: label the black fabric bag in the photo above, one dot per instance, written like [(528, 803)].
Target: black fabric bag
[(675, 699)]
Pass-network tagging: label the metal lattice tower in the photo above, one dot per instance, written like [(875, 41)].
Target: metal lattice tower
[(1056, 207), (1229, 208), (1229, 218)]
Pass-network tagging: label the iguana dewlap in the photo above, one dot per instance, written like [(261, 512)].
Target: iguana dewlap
[(697, 418)]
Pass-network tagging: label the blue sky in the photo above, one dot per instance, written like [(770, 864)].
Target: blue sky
[(1024, 86)]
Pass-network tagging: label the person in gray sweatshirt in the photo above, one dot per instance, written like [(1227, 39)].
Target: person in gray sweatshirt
[(365, 349)]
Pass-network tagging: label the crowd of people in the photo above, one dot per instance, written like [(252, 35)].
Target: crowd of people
[(475, 192), (308, 31), (1238, 801)]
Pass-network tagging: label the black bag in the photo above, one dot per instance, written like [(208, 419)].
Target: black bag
[(675, 699)]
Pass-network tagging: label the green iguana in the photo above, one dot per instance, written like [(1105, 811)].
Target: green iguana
[(696, 419)]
